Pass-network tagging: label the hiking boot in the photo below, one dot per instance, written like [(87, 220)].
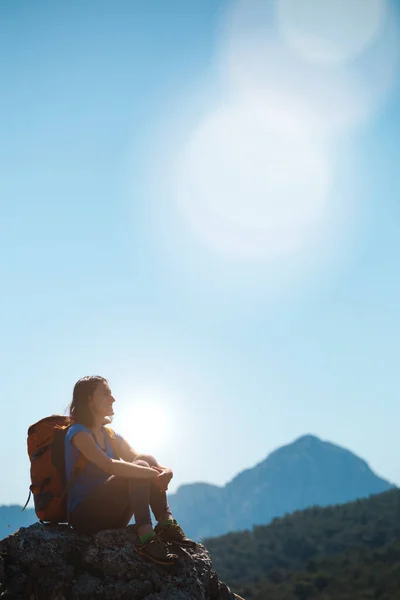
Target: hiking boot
[(171, 532), (157, 551)]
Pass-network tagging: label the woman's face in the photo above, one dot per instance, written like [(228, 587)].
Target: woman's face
[(102, 400)]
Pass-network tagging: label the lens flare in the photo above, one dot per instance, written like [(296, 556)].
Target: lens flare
[(330, 31), (248, 191), (264, 53)]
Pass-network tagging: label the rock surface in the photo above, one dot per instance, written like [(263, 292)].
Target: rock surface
[(56, 563)]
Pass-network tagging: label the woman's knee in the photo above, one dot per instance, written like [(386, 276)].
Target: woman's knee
[(149, 459), (142, 463)]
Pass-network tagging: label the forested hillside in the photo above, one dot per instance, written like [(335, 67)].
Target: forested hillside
[(348, 552)]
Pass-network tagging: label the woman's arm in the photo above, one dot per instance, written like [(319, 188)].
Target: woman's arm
[(125, 451), (85, 443), (129, 454)]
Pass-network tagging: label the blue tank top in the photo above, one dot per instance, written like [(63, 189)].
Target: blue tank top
[(91, 476)]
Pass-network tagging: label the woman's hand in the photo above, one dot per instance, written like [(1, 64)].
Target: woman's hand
[(163, 479)]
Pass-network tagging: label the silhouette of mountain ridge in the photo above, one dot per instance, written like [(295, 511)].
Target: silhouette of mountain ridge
[(304, 473)]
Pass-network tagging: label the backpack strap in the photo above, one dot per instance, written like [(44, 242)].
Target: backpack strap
[(27, 502)]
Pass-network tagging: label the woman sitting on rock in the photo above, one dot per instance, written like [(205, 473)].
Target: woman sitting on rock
[(116, 482)]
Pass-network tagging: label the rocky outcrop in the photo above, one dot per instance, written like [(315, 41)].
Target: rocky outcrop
[(56, 563)]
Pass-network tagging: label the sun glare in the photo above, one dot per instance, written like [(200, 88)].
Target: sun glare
[(145, 423)]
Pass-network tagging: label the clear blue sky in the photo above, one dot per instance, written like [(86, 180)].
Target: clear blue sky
[(233, 348)]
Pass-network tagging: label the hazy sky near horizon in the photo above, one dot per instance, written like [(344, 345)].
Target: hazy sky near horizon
[(200, 201)]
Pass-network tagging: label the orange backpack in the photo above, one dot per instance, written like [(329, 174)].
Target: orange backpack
[(46, 451)]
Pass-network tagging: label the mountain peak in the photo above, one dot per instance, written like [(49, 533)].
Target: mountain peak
[(314, 446), (308, 438)]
